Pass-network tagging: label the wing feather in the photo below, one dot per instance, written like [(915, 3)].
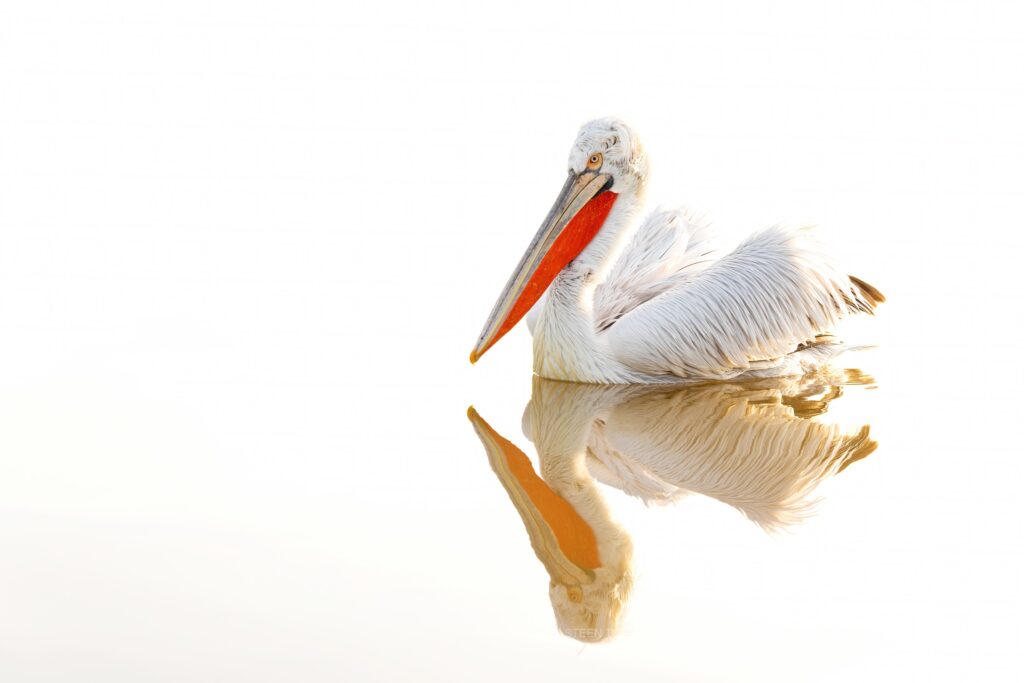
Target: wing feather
[(668, 247), (774, 292)]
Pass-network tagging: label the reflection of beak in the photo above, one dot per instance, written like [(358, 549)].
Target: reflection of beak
[(562, 539), (577, 215)]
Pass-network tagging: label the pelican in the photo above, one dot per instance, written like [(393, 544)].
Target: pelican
[(611, 299), (756, 445)]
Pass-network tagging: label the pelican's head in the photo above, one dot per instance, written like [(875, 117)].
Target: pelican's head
[(605, 161), (613, 145)]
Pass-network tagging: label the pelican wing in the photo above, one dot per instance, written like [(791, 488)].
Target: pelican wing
[(668, 248), (774, 293)]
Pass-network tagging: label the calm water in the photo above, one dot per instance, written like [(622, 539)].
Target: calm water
[(853, 525)]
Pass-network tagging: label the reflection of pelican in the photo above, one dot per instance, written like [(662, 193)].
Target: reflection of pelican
[(754, 445)]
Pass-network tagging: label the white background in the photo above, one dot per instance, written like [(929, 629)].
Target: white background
[(245, 249)]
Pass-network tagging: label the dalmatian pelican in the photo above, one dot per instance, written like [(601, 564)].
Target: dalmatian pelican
[(611, 299)]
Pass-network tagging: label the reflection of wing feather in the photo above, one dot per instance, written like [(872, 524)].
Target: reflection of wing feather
[(774, 292), (610, 467), (739, 444)]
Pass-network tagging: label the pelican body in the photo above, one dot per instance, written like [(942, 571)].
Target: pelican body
[(612, 299)]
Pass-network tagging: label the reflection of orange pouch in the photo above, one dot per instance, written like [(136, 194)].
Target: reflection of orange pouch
[(531, 495)]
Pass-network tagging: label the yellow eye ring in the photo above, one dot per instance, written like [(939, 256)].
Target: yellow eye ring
[(595, 160)]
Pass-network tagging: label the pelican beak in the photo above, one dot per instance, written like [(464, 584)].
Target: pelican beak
[(578, 213)]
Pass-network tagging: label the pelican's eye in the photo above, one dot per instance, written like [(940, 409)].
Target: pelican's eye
[(594, 162)]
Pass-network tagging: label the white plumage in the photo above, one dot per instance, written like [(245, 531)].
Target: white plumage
[(658, 301), (744, 312), (670, 247)]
